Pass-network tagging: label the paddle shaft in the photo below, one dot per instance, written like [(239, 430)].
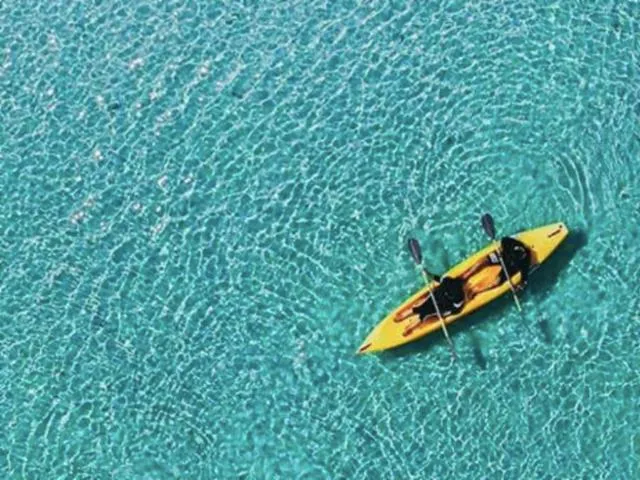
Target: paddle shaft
[(490, 230), (506, 274), (416, 253), (425, 275)]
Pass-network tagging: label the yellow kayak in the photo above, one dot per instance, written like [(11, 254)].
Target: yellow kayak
[(390, 333)]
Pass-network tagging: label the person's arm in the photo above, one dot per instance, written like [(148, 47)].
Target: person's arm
[(437, 278), (525, 274)]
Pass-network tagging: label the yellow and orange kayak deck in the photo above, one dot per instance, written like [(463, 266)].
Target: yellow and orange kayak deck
[(389, 334)]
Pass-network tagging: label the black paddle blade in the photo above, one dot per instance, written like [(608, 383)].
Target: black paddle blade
[(416, 253), (487, 224)]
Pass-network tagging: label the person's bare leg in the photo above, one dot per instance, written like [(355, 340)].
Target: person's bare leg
[(475, 268), (409, 330), (483, 287), (402, 315)]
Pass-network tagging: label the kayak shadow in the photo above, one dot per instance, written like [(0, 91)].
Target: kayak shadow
[(549, 274), (488, 313), (540, 286), (542, 281)]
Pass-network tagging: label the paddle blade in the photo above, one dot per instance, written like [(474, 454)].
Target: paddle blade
[(487, 224), (416, 253)]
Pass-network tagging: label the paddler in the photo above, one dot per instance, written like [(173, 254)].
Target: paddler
[(516, 257), (452, 293), (449, 296)]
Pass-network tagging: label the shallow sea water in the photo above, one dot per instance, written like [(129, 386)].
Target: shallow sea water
[(205, 210)]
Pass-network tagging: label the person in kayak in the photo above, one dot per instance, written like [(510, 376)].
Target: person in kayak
[(516, 257), (452, 293), (449, 295)]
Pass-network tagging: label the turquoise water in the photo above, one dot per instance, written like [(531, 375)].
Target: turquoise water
[(205, 210)]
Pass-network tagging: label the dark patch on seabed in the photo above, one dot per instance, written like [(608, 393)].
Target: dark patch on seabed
[(478, 356), (547, 335)]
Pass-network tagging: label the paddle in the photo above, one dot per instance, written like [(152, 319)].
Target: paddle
[(416, 253), (489, 228)]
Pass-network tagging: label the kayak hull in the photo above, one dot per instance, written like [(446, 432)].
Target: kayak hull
[(388, 334)]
